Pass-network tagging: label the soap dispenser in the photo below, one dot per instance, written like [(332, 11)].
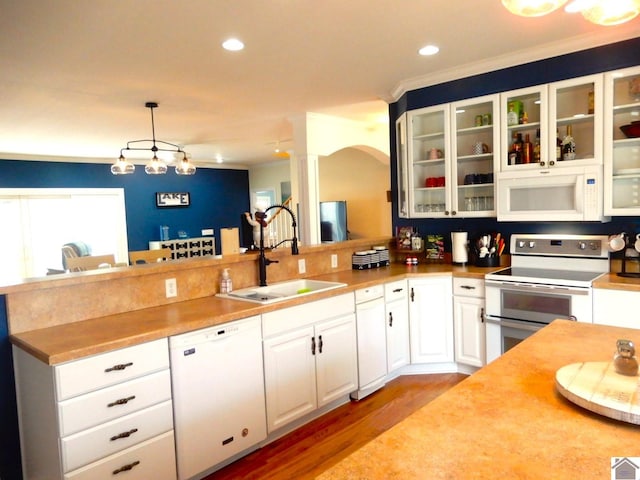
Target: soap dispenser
[(225, 284)]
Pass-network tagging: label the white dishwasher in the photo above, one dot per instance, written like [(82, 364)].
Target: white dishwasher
[(372, 340), (218, 394)]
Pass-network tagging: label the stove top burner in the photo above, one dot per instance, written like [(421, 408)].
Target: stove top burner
[(546, 276)]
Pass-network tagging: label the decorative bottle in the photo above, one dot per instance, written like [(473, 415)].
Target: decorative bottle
[(536, 148), (568, 146)]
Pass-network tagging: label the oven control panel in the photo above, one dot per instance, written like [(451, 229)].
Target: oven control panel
[(561, 245)]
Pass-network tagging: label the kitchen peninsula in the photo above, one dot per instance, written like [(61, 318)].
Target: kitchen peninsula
[(507, 420)]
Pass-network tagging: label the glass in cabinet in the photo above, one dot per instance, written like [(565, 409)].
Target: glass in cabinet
[(523, 115), (475, 151), (401, 158), (427, 159), (575, 110), (622, 151)]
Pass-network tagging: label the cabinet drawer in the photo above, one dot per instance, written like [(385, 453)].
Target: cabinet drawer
[(91, 409), (395, 290), (468, 287), (153, 459), (98, 371), (90, 445), (370, 293)]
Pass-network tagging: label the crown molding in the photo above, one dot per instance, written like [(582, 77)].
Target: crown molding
[(539, 52)]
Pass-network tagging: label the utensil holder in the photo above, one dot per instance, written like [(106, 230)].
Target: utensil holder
[(488, 261)]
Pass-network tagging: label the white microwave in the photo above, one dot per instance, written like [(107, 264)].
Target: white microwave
[(556, 194)]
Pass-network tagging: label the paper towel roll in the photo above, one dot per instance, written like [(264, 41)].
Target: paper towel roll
[(459, 252)]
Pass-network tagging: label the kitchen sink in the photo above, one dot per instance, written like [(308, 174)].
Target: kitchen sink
[(279, 292)]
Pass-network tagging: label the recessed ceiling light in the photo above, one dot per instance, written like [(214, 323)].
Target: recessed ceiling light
[(428, 50), (233, 45)]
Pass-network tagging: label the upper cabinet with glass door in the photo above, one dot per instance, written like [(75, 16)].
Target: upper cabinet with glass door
[(622, 142), (563, 131), (428, 159), (475, 156), (575, 120), (523, 118)]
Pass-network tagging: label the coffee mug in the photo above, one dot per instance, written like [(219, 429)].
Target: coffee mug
[(435, 153), (637, 244), (479, 148), (617, 242)]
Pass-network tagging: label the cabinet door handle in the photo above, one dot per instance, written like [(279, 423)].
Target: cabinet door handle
[(313, 345), (120, 366), (124, 434), (397, 290), (121, 401), (390, 319), (467, 287), (125, 468), (482, 315), (320, 344), (412, 294)]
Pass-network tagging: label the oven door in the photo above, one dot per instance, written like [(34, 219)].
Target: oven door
[(502, 335), (538, 303)]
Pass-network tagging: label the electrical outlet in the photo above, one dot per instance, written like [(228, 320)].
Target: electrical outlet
[(334, 260), (302, 266), (171, 287)]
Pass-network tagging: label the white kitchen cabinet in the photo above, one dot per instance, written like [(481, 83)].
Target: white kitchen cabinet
[(621, 154), (310, 357), (431, 319), (218, 394), (397, 324), (372, 340), (469, 326), (90, 417), (475, 156), (447, 158), (550, 109), (618, 308)]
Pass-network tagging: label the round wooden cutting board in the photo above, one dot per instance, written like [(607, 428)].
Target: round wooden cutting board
[(597, 387)]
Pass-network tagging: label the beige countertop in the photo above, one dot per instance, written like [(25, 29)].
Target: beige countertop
[(61, 343), (507, 420), (615, 282)]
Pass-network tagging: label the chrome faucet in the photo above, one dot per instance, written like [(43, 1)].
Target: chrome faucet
[(263, 261)]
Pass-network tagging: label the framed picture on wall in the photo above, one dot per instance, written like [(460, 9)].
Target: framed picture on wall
[(172, 199)]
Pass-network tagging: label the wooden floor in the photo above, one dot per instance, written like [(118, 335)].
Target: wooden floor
[(313, 448)]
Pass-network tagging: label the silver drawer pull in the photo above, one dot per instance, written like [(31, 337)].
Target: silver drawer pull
[(121, 401), (124, 434), (126, 468), (120, 366)]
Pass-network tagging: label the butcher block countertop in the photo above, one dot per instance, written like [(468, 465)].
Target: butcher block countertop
[(507, 420), (62, 343)]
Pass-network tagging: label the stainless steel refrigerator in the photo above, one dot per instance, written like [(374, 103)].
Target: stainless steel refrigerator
[(333, 221)]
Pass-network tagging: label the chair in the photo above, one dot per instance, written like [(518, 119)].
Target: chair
[(89, 262), (72, 250), (149, 256)]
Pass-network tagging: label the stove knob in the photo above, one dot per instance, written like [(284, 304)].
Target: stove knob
[(532, 244), (582, 245), (521, 243), (594, 246)]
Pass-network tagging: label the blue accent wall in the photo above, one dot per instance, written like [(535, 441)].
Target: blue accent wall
[(587, 62), (218, 199)]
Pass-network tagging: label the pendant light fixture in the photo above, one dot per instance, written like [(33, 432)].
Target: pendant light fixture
[(155, 166), (600, 12), (532, 8)]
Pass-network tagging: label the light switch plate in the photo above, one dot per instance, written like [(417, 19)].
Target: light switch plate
[(171, 287), (302, 266), (334, 260)]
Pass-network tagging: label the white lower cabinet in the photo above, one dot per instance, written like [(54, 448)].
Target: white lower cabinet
[(310, 357), (397, 324), (469, 326), (431, 319), (618, 308), (98, 416)]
